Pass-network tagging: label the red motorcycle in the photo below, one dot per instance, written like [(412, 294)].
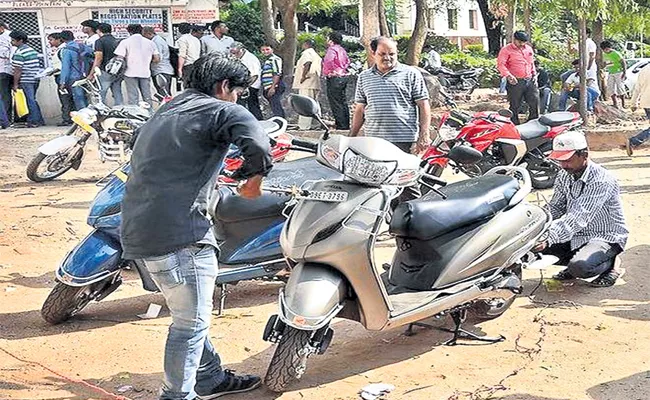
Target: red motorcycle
[(501, 143)]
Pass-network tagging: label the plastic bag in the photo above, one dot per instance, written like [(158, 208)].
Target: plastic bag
[(21, 103)]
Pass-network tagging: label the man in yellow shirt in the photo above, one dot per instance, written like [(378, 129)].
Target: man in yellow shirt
[(307, 77), (640, 99)]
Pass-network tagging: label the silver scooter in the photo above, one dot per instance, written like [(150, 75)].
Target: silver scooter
[(459, 248)]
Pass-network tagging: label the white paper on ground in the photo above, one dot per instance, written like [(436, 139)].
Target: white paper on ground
[(543, 262), (152, 312), (375, 390)]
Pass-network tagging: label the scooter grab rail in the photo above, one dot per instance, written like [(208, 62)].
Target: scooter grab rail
[(524, 190)]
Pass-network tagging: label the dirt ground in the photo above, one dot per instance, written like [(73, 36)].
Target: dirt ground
[(579, 343)]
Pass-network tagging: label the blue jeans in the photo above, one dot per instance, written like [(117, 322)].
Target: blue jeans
[(186, 278), (34, 117), (79, 97), (276, 100), (107, 81), (638, 139), (544, 99), (575, 93)]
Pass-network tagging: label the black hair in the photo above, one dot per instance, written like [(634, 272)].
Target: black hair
[(55, 36), (605, 44), (197, 28), (310, 42), (134, 29), (91, 23), (374, 43), (575, 62), (67, 36), (4, 25), (588, 31), (521, 36), (184, 28), (19, 35), (211, 69), (214, 25), (336, 37), (105, 28), (267, 45)]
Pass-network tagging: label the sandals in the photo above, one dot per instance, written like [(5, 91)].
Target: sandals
[(605, 279), (563, 275)]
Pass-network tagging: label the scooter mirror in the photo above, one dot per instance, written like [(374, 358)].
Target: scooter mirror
[(505, 113), (465, 155), (305, 106)]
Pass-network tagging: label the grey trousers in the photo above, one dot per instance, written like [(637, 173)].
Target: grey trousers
[(592, 259), (135, 87)]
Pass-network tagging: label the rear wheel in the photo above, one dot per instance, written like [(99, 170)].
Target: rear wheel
[(65, 301), (44, 168), (289, 361)]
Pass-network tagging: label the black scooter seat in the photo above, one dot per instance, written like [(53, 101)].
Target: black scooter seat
[(232, 207), (467, 202), (532, 130), (557, 118)]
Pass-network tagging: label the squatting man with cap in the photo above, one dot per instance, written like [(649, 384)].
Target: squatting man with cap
[(588, 229)]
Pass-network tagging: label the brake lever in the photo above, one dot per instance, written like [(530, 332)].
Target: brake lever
[(435, 190)]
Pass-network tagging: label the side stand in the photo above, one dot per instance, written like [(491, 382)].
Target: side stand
[(459, 333), (223, 292)]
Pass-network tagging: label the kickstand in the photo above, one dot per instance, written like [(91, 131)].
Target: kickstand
[(222, 298), (460, 333)]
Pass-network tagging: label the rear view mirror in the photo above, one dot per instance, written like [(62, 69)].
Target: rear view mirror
[(505, 113), (465, 155), (305, 106)]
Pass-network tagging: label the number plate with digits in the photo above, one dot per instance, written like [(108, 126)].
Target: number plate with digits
[(330, 197)]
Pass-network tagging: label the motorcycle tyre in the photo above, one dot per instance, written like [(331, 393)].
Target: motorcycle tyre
[(32, 169), (64, 302), (289, 361)]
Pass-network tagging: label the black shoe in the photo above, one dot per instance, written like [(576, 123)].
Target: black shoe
[(563, 275), (64, 123), (232, 384)]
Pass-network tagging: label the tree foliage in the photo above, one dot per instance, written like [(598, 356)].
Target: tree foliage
[(245, 24)]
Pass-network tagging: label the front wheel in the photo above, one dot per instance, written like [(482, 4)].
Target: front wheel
[(289, 361), (44, 168), (65, 301)]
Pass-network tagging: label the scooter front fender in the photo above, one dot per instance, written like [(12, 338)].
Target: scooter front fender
[(313, 296), (95, 258), (57, 145)]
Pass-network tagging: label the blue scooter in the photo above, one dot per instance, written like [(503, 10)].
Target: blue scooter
[(247, 232)]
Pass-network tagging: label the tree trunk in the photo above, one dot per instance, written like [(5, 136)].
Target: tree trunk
[(584, 59), (268, 21), (492, 27), (511, 20), (527, 18), (599, 36), (370, 9), (416, 42), (383, 20)]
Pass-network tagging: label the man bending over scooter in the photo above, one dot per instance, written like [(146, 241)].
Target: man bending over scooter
[(588, 229), (164, 214)]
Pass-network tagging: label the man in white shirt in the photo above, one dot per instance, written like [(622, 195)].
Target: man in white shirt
[(189, 50), (433, 57), (592, 68), (640, 99), (6, 72), (306, 78), (139, 53), (252, 102), (218, 42), (89, 27), (572, 88)]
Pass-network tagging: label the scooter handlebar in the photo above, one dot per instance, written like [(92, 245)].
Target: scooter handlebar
[(305, 144)]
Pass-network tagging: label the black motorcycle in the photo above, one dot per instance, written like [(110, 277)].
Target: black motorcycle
[(457, 82)]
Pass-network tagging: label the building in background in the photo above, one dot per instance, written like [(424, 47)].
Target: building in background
[(38, 18)]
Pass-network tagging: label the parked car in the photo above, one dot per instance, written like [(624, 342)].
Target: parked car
[(634, 66)]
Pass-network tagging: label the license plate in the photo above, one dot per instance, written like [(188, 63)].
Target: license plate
[(447, 133), (329, 197)]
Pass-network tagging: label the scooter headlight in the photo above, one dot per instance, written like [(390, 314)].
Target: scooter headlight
[(364, 170), (84, 119)]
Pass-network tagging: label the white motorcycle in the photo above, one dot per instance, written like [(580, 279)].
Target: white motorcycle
[(114, 128)]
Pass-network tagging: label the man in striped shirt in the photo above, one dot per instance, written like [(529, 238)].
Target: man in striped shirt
[(272, 80), (588, 229), (26, 66)]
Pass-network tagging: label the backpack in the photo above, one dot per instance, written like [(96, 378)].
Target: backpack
[(85, 57), (116, 66), (173, 60)]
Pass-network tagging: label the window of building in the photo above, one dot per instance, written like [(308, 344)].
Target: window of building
[(452, 18), (30, 23), (432, 18), (473, 19)]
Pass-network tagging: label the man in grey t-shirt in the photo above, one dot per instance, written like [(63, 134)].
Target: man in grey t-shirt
[(161, 71), (392, 100)]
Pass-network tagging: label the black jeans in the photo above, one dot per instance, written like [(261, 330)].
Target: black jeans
[(252, 103), (6, 84), (163, 90), (592, 259), (276, 100), (336, 87), (187, 70), (67, 105), (525, 89)]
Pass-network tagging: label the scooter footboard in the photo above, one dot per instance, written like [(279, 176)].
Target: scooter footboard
[(313, 296), (95, 258)]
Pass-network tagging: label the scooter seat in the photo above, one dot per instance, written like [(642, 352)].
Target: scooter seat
[(467, 202), (532, 130), (557, 118)]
